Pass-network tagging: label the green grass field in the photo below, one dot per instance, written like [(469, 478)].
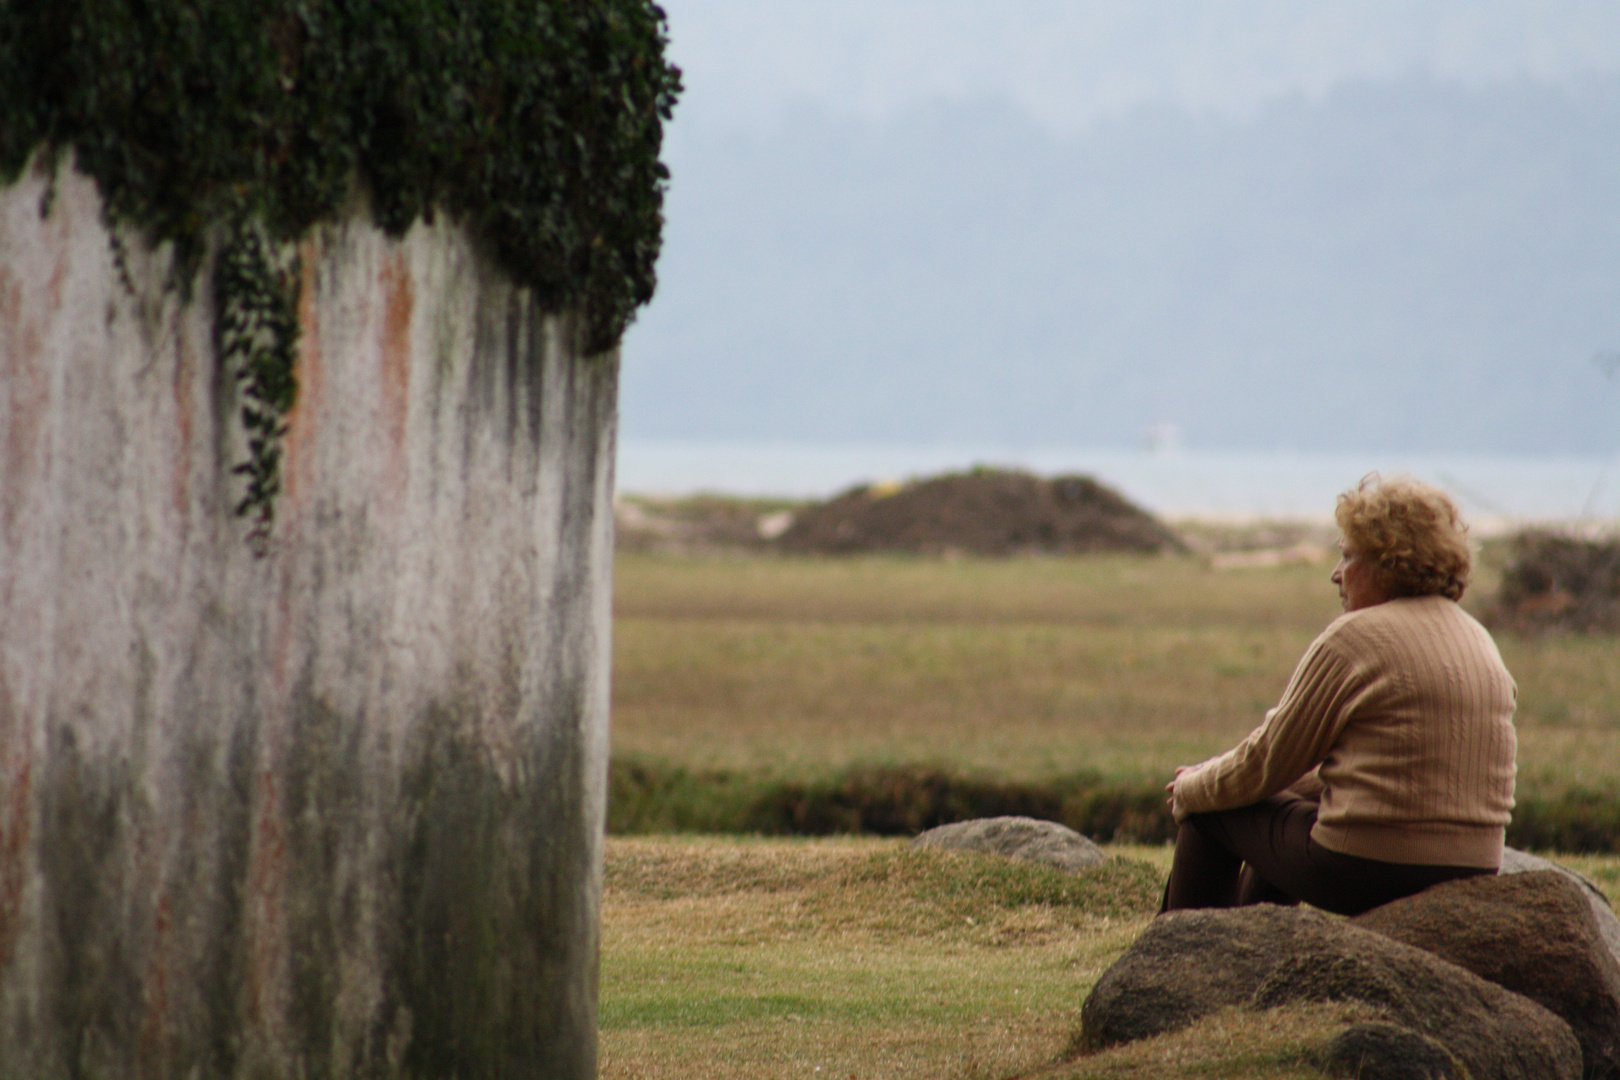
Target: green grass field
[(851, 957)]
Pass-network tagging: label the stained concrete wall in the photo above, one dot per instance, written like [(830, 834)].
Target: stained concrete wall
[(332, 812)]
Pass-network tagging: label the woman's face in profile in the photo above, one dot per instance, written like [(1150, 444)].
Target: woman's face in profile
[(1359, 581)]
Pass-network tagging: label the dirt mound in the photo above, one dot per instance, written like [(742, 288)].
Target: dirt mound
[(982, 512), (1559, 582)]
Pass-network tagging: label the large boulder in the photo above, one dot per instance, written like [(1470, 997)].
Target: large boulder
[(1532, 933), (1522, 862), (1023, 838), (1188, 964)]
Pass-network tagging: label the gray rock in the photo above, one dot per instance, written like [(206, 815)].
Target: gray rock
[(1376, 1050), (1188, 964), (1027, 839), (1532, 933), (1522, 862)]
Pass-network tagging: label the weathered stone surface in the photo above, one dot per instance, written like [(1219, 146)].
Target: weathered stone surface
[(1521, 862), (1190, 963), (1185, 965), (1532, 933), (1027, 839), (1494, 1032), (332, 812), (1376, 1050)]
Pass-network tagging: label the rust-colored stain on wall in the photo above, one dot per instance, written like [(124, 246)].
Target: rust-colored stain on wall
[(398, 303)]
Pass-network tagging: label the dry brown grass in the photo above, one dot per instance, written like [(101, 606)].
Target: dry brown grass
[(1569, 709), (1234, 1044), (1025, 669), (1095, 590)]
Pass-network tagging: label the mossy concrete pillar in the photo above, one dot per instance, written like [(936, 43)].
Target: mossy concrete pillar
[(334, 811)]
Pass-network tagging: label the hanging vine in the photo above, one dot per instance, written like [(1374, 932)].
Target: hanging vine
[(256, 318)]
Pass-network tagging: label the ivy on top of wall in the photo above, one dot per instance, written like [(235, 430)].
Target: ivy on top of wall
[(536, 124)]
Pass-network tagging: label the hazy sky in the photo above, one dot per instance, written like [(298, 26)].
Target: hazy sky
[(1069, 62), (1267, 224)]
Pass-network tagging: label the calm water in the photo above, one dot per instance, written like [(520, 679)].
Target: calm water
[(1494, 491)]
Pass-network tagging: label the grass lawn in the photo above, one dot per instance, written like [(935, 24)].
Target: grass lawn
[(737, 957), (1024, 669), (832, 958)]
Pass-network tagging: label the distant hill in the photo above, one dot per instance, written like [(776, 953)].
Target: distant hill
[(1402, 265), (981, 512)]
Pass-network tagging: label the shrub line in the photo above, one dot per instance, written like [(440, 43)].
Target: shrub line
[(651, 796)]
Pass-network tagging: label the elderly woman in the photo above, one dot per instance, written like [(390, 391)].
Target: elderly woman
[(1387, 767)]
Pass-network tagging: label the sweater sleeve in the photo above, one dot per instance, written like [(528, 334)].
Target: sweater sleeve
[(1291, 741)]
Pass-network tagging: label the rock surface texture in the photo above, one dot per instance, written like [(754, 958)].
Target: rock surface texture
[(1521, 862), (336, 811), (1382, 1051), (1023, 838), (1532, 933), (1188, 964)]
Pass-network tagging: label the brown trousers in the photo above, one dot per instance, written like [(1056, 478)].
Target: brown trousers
[(1264, 854)]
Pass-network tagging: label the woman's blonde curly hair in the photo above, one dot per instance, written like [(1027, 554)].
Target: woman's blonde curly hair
[(1411, 531)]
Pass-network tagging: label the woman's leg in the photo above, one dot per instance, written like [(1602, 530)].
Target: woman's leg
[(1263, 852), (1203, 874), (1211, 850)]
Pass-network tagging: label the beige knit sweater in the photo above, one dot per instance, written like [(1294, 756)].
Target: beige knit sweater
[(1406, 713)]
